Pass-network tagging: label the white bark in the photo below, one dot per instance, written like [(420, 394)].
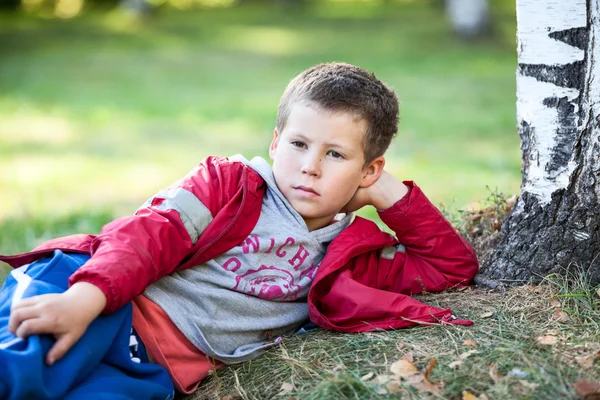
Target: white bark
[(536, 20), (555, 224)]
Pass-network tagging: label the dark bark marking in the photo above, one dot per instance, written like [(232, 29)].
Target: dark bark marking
[(526, 132), (566, 132), (576, 37), (568, 75)]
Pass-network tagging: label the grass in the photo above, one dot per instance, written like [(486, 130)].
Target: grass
[(508, 361), (99, 112)]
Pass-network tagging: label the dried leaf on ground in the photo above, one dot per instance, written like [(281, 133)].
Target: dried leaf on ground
[(587, 389), (494, 374), (555, 303), (469, 342), (382, 391), (393, 387), (560, 316), (529, 385), (400, 345), (586, 361), (468, 396), (456, 363), (487, 314), (366, 377), (430, 386), (430, 366), (286, 387), (467, 354), (403, 368), (409, 356), (547, 339)]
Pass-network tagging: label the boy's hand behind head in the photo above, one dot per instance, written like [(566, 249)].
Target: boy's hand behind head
[(382, 194)]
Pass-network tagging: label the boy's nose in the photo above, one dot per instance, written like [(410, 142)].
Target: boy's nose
[(311, 166)]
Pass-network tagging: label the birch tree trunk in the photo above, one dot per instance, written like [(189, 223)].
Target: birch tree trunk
[(555, 223)]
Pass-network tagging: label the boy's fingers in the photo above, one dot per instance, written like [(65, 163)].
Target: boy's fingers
[(60, 348), (20, 315), (32, 326)]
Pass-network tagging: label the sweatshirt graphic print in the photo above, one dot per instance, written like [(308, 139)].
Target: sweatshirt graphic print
[(226, 305)]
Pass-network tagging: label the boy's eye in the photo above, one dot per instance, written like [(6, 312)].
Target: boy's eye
[(299, 144), (335, 154)]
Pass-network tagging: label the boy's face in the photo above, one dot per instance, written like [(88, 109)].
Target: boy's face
[(318, 162)]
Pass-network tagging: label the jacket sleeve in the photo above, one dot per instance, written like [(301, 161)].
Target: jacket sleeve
[(431, 255), (132, 252)]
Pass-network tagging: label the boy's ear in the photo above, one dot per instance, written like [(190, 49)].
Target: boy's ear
[(274, 144), (372, 172)]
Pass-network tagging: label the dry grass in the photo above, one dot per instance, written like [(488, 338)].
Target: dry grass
[(508, 361)]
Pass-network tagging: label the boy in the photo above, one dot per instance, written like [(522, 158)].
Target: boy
[(211, 269)]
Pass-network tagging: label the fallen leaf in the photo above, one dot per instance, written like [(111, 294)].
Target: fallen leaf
[(547, 339), (585, 362), (467, 354), (400, 345), (403, 368), (382, 391), (468, 396), (483, 396), (430, 366), (529, 385), (414, 379), (469, 342), (560, 316), (393, 387), (430, 386), (408, 357), (494, 374), (487, 314), (587, 389), (456, 363), (286, 387), (554, 303), (366, 377), (598, 292)]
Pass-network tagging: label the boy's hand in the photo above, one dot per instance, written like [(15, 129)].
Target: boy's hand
[(66, 316), (382, 194)]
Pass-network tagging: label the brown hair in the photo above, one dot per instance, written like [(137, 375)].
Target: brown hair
[(341, 87)]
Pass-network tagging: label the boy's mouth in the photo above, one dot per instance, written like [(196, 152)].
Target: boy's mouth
[(306, 189)]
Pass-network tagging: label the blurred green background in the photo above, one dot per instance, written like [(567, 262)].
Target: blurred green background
[(100, 108)]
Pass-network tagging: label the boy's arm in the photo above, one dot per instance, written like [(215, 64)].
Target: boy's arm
[(133, 252), (435, 256), (432, 255)]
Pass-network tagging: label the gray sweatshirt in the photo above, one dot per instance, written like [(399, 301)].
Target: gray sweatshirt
[(233, 305)]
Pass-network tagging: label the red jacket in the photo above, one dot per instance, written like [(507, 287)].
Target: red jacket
[(363, 283)]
